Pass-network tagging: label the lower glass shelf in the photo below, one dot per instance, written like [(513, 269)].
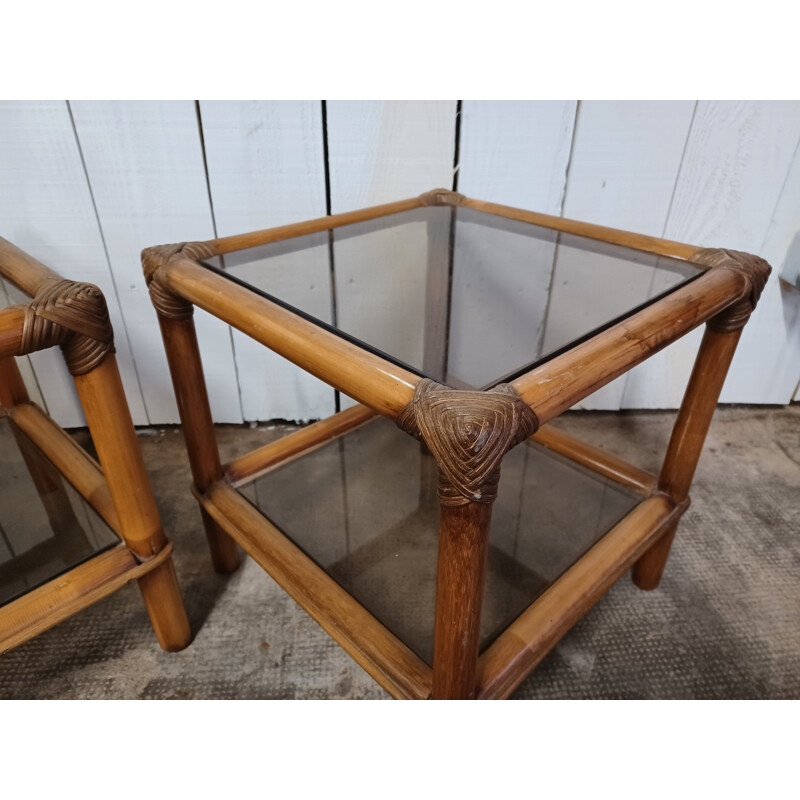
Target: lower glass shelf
[(46, 527), (364, 508)]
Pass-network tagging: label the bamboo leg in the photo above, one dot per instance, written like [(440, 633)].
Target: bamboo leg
[(686, 444), (162, 597), (109, 421), (461, 573), (12, 387), (186, 368)]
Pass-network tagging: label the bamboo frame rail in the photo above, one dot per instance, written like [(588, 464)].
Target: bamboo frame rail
[(12, 387), (74, 316), (229, 244), (24, 271), (509, 659), (558, 384), (12, 319), (69, 458), (635, 241), (594, 458), (257, 462), (466, 432), (60, 598), (367, 378)]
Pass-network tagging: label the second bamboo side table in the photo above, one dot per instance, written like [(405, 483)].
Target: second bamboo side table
[(73, 530)]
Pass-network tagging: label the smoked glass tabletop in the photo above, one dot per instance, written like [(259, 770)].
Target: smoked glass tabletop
[(460, 296), (46, 527), (364, 508)]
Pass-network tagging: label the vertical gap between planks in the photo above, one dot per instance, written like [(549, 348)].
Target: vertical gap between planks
[(108, 260), (451, 245), (457, 148), (331, 260), (562, 201), (678, 175), (199, 115), (451, 254)]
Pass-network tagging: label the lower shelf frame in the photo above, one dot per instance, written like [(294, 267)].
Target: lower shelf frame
[(74, 590), (390, 662), (505, 663), (513, 655), (516, 652)]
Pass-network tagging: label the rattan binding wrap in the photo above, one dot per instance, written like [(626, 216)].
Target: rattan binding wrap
[(73, 315), (468, 434), (166, 303), (441, 197), (754, 269)]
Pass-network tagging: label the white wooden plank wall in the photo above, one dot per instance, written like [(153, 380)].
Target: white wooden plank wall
[(85, 186), (266, 168), (622, 153), (379, 152), (736, 163), (782, 246), (46, 209), (145, 163), (516, 154)]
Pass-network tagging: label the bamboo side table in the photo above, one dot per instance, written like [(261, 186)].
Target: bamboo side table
[(86, 529), (460, 596)]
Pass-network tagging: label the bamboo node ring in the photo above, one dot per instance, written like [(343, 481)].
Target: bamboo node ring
[(468, 433)]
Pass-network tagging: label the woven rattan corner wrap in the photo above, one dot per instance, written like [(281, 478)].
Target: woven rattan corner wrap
[(74, 316), (468, 434), (165, 302), (441, 197), (754, 269)]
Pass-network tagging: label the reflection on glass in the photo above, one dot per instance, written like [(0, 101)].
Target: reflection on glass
[(46, 527), (364, 508), (460, 296)]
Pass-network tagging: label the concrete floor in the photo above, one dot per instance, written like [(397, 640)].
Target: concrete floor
[(725, 622)]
